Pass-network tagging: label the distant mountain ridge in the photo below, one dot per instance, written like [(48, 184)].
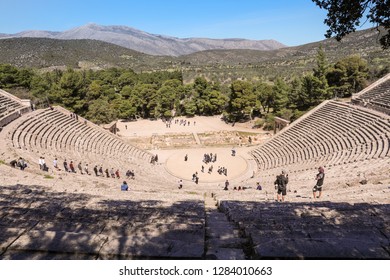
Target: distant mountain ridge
[(223, 66), (148, 43)]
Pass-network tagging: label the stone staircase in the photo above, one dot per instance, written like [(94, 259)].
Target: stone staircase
[(223, 239)]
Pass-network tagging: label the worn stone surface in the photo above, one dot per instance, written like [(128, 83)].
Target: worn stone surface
[(55, 241)]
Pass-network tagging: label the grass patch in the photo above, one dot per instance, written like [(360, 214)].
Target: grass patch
[(2, 161), (192, 192), (247, 134), (46, 176)]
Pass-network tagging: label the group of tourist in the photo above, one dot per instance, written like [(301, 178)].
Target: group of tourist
[(281, 185), (154, 159), (207, 158), (282, 181), (71, 167), (21, 163), (169, 122)]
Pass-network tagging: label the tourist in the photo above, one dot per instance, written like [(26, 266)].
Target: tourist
[(226, 185), (112, 172), (86, 169), (55, 163), (80, 168), (107, 173), (117, 174), (66, 166), (186, 157), (101, 170), (21, 163), (281, 185), (40, 162), (124, 186), (258, 186), (14, 163), (180, 182), (71, 167), (95, 169), (320, 181)]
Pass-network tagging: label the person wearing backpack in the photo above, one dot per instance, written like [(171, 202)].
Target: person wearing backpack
[(281, 185)]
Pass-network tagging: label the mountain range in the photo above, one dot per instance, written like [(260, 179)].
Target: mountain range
[(148, 43), (219, 65)]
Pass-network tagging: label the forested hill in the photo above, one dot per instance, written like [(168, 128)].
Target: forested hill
[(84, 54), (223, 66), (286, 62)]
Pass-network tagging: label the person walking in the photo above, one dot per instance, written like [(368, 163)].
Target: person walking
[(320, 181), (281, 185)]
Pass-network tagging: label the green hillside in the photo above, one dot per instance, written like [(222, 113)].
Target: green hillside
[(223, 66)]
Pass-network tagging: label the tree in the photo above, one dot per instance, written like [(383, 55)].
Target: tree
[(264, 95), (344, 15), (319, 72), (100, 111), (242, 100), (348, 76), (280, 93), (312, 92)]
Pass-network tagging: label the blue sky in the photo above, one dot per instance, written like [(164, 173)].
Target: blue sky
[(289, 22)]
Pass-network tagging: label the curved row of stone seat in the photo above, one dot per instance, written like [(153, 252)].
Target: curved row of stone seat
[(323, 230), (333, 134), (376, 96), (42, 223), (11, 108), (52, 130), (377, 92)]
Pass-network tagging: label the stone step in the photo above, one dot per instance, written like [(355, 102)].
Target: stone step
[(233, 242), (64, 242), (219, 253), (135, 246), (320, 249)]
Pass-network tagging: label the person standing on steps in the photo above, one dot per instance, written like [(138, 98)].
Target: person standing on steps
[(66, 166), (80, 168), (71, 167), (320, 181), (95, 169), (281, 185), (226, 185), (55, 164)]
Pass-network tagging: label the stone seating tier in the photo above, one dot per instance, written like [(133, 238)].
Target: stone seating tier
[(332, 134)]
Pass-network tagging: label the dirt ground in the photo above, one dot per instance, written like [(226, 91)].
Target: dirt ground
[(173, 158)]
